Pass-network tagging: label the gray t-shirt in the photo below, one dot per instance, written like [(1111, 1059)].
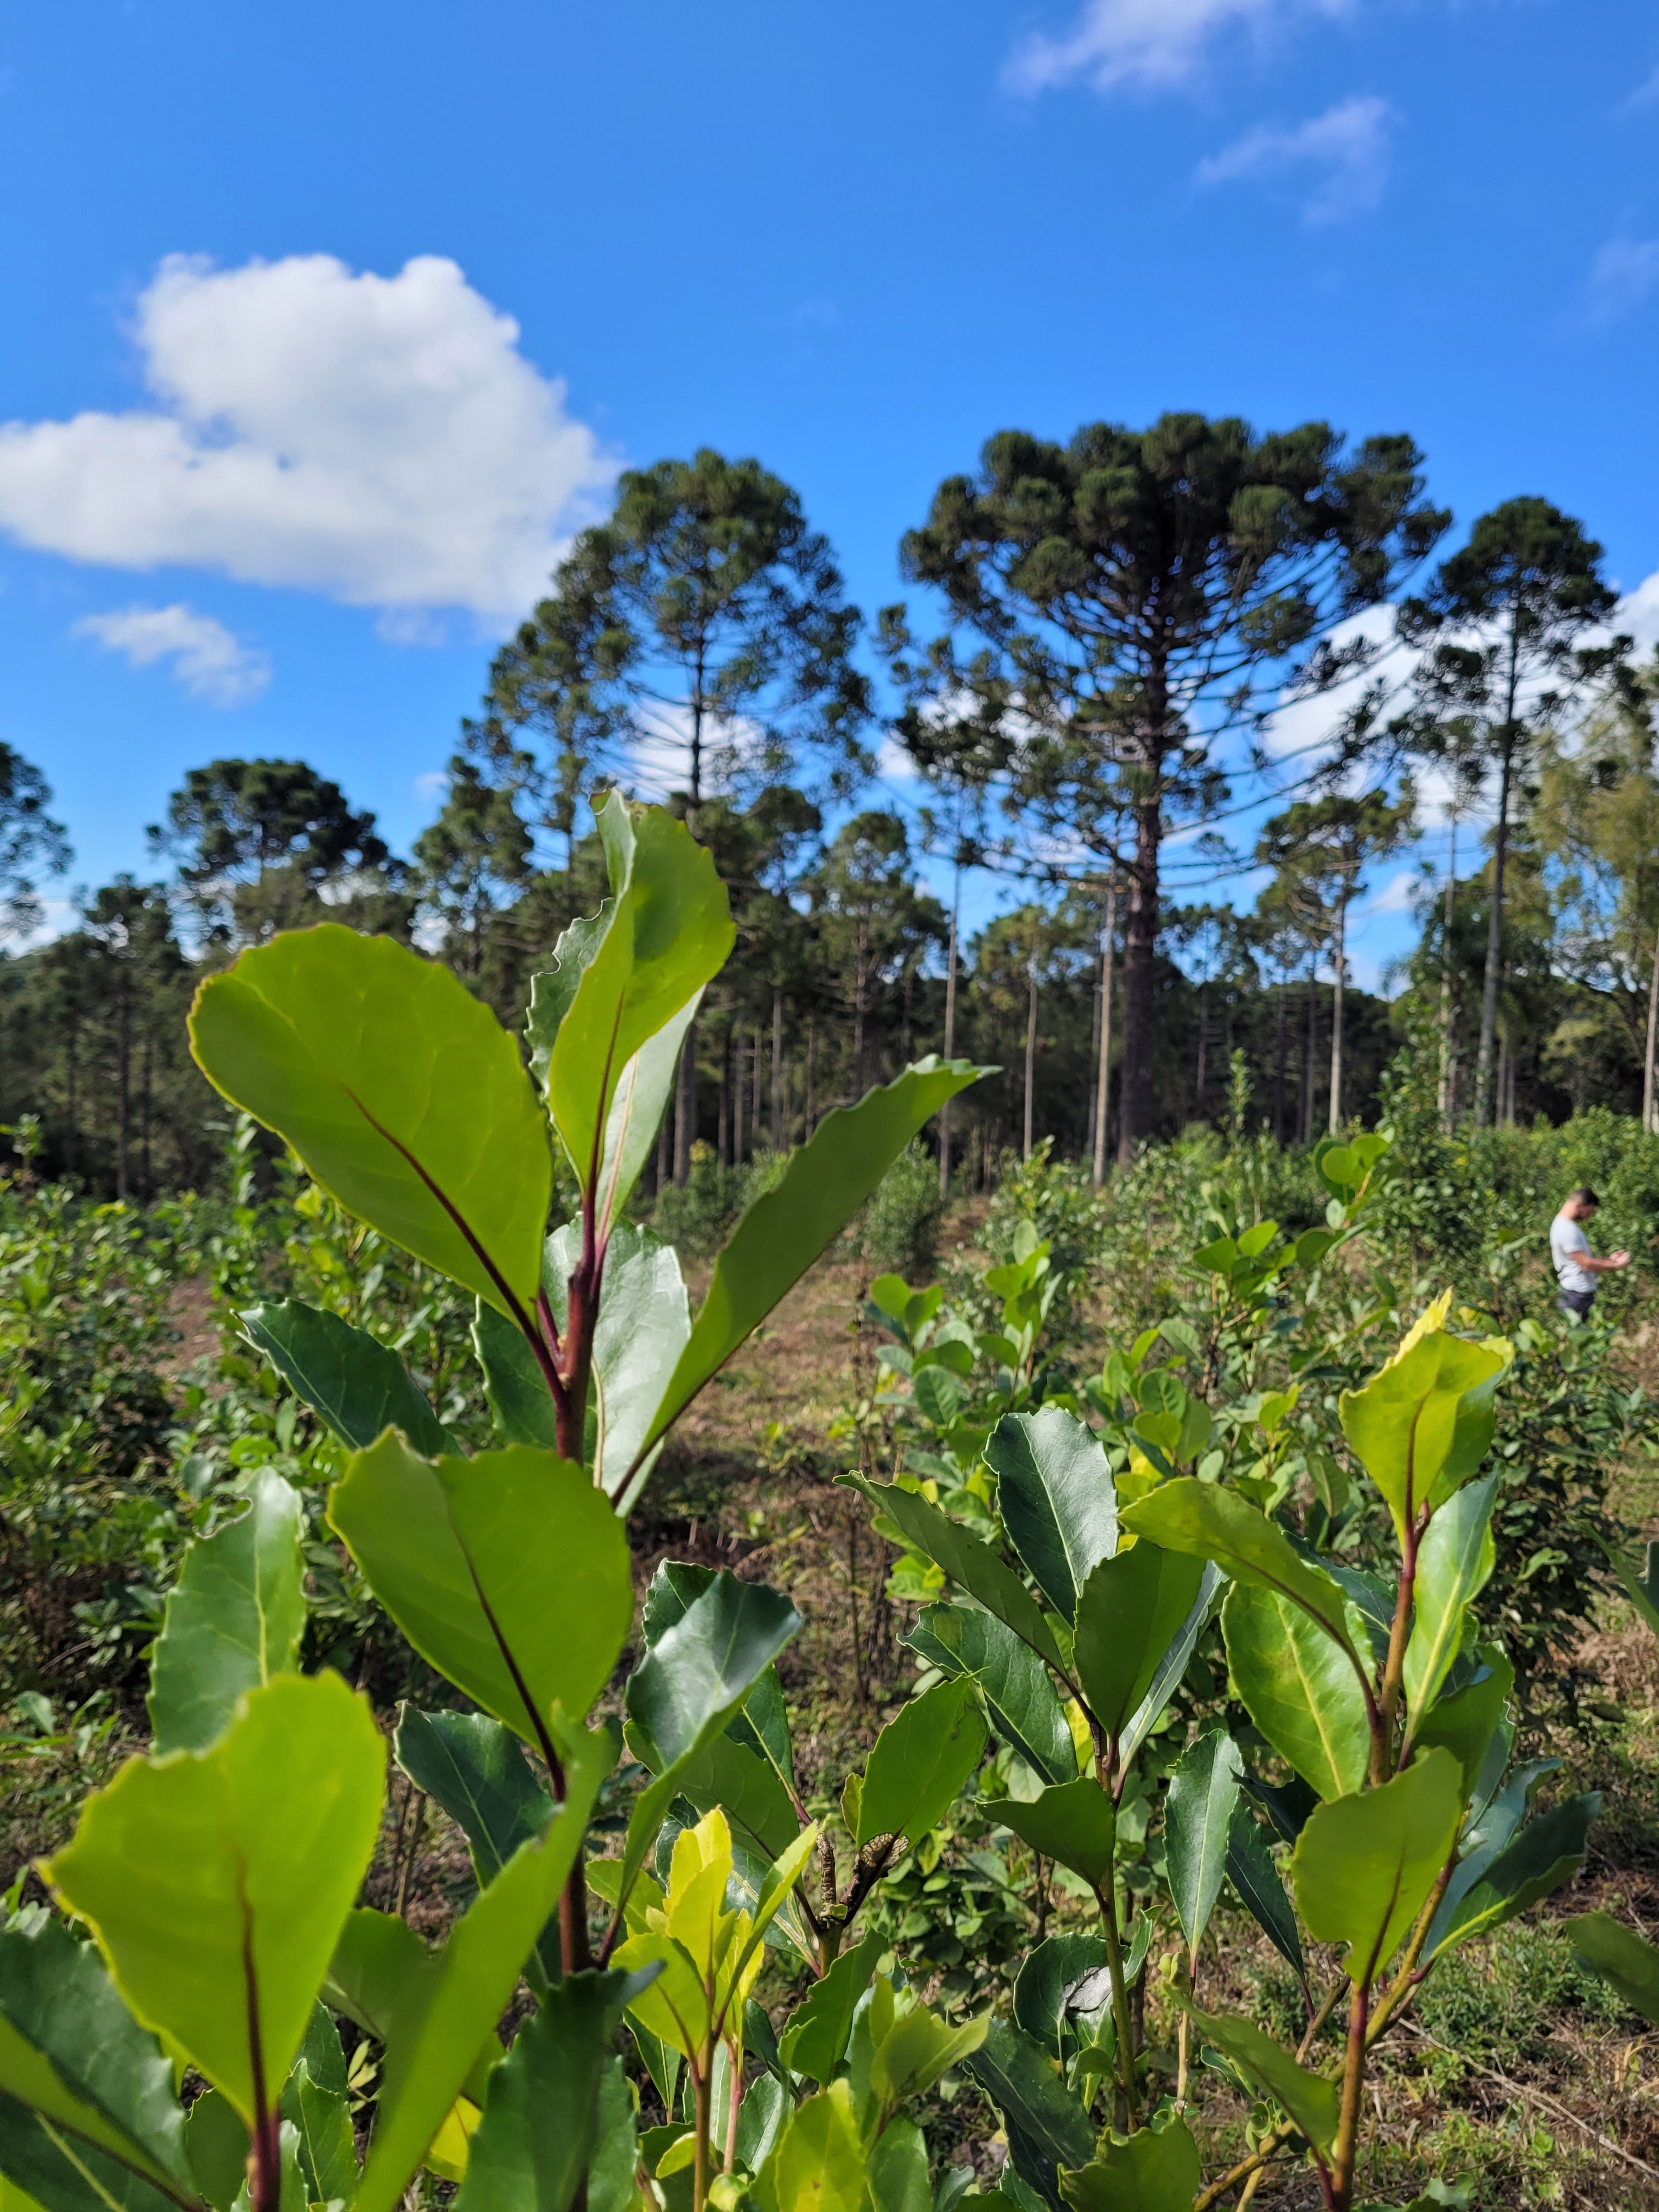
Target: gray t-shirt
[(1567, 1240)]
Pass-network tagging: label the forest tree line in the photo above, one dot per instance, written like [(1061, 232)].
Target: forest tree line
[(1114, 622)]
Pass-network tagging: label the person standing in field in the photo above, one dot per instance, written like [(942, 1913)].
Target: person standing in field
[(1575, 1266)]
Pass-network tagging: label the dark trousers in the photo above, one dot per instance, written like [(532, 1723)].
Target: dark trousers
[(1575, 1301)]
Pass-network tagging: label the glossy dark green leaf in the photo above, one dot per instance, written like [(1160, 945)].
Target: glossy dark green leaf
[(1299, 1687), (1200, 1517), (515, 1387), (1363, 1866), (44, 2165), (1548, 1852), (787, 1227), (1046, 2124), (233, 1619), (1453, 1564), (1627, 1962), (1489, 1834), (1310, 2099), (1467, 1721), (814, 2041), (1057, 1498), (1198, 1815), (541, 2114), (1130, 1612), (71, 2051), (747, 1788), (1075, 1824), (508, 1572), (967, 1560), (645, 1319), (218, 2146), (1012, 1680), (401, 1092), (1157, 2169), (358, 1386), (217, 1886), (1171, 1671), (1047, 1978), (1251, 1871), (920, 1761)]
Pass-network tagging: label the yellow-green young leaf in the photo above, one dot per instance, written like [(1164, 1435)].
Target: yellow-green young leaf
[(1157, 2170), (1311, 2099), (1363, 1866), (1128, 1613), (920, 1760), (508, 1572), (1423, 1423), (233, 1619), (1213, 1523), (674, 2006), (819, 2165), (917, 2050), (1299, 1688), (435, 2052), (669, 930), (822, 1187), (1074, 1823), (401, 1092), (217, 1886), (1625, 1960), (1453, 1565)]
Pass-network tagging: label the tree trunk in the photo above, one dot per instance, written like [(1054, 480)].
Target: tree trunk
[(1201, 1080), (1334, 1123), (950, 1034), (1136, 1096), (859, 986), (811, 1094), (1653, 1034), (1309, 1051), (686, 1105), (149, 1172), (1445, 1100), (1030, 1049), (755, 1077), (777, 1071), (739, 1099), (1483, 1098), (1281, 1045), (723, 1138)]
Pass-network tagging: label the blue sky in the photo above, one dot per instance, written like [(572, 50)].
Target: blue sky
[(323, 323)]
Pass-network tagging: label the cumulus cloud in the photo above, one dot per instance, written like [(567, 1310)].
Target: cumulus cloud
[(1622, 276), (208, 660), (378, 439), (1347, 145), (1150, 44), (1639, 613)]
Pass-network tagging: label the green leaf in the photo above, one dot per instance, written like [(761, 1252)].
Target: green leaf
[(541, 2114), (1200, 1517), (748, 1790), (382, 1976), (1453, 1565), (969, 1563), (1155, 2170), (1056, 1496), (1171, 1671), (814, 2041), (822, 1187), (668, 930), (508, 1572), (520, 1403), (401, 1092), (1363, 1866), (435, 2050), (819, 2165), (1048, 1976), (1299, 1688), (920, 1760), (1047, 2126), (899, 2177), (357, 1385), (218, 2146), (1625, 1961), (1423, 1422), (1308, 2099), (680, 1698), (1643, 1590), (1197, 1816), (233, 1619), (1075, 1824), (217, 1885), (71, 2051), (1548, 1852), (1130, 1611), (918, 2051), (1012, 1679), (316, 2104), (1466, 1723), (1250, 1869), (46, 2168), (645, 1319)]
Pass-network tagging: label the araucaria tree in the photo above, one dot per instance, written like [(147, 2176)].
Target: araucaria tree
[(1129, 599), (1515, 623)]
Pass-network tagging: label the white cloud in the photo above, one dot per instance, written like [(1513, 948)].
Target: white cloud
[(211, 664), (378, 439), (1622, 275), (1152, 44), (1349, 142), (1637, 612), (1396, 895), (1646, 94)]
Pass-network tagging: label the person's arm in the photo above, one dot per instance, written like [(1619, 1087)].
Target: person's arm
[(1610, 1266)]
